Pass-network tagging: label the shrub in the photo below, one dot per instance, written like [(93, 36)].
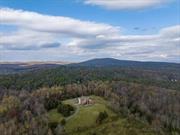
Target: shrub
[(101, 117), (65, 109), (51, 103), (63, 122), (53, 125)]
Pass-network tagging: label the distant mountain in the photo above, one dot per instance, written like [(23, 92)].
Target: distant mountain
[(110, 62), (21, 67)]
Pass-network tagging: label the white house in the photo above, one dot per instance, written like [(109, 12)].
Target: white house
[(84, 101)]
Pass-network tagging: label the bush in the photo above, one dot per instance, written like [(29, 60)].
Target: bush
[(53, 125), (65, 109), (101, 117), (63, 122), (51, 103)]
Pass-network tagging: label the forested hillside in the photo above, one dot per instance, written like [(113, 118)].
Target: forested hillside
[(67, 74), (143, 99)]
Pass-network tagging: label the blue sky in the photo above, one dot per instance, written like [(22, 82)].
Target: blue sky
[(133, 27)]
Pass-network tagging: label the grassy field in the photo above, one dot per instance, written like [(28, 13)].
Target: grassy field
[(83, 122), (54, 116)]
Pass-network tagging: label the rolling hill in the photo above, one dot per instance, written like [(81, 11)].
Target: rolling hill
[(83, 122), (110, 62)]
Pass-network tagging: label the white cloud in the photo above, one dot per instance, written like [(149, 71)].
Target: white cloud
[(36, 29), (27, 39), (141, 47), (54, 24), (167, 36), (126, 4), (68, 38)]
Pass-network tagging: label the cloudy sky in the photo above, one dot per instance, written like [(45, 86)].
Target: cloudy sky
[(77, 30)]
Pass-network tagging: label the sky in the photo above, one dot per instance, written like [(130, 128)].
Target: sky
[(78, 30)]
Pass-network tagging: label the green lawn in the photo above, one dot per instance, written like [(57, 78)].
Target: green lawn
[(83, 122), (87, 115)]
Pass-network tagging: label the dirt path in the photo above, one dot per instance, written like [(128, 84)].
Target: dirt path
[(76, 112)]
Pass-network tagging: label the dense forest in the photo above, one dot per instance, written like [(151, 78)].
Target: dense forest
[(67, 74), (142, 94)]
